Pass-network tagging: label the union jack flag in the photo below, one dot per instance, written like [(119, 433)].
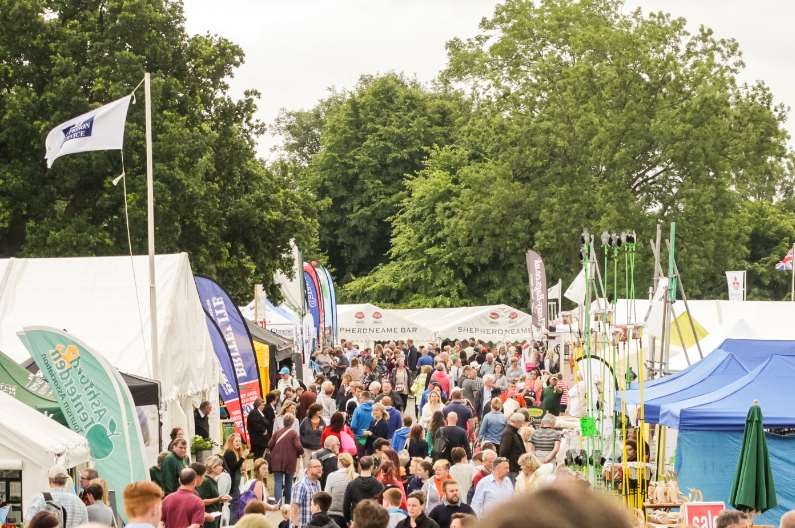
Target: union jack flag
[(786, 262)]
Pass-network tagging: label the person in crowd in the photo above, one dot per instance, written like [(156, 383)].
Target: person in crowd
[(257, 489), (388, 390), (388, 476), (482, 471), (369, 514), (461, 471), (86, 476), (515, 371), (463, 520), (255, 506), (433, 405), (177, 433), (355, 371), (437, 422), (416, 444), (361, 420), (425, 359), (285, 446), (44, 519), (365, 486), (456, 373), (184, 508), (234, 456), (337, 484), (400, 436), (201, 423), (326, 401), (288, 407), (416, 511), (434, 487), (254, 520), (484, 396), (98, 512), (449, 437), (440, 376), (419, 385), (311, 430), (286, 380), (420, 470), (787, 520), (306, 399), (459, 405), (391, 501), (493, 489), (156, 471), (258, 428), (378, 428), (338, 428), (224, 483), (328, 457), (443, 513), (173, 464), (500, 378), (471, 385), (511, 444), (493, 424), (321, 501), (731, 519), (394, 419), (305, 489), (208, 490), (569, 505), (529, 478), (401, 379), (546, 440), (551, 397), (532, 389), (142, 504)]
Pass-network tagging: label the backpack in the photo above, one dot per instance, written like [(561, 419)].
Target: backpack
[(439, 442), (246, 497), (55, 508), (347, 443)]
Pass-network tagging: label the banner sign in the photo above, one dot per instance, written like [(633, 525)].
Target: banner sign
[(263, 359), (321, 320), (538, 289), (230, 393), (233, 329), (312, 301), (325, 290), (736, 283), (96, 403), (702, 514), (334, 323)]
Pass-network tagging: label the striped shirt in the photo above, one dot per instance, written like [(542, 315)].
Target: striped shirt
[(544, 439), (564, 398), (302, 497), (76, 513)]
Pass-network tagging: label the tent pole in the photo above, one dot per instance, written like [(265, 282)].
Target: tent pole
[(792, 280), (687, 309)]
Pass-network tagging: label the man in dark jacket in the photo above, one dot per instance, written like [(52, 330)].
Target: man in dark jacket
[(365, 486), (412, 355), (200, 420), (321, 502), (484, 396), (328, 457), (454, 436), (257, 427), (511, 444), (443, 513)]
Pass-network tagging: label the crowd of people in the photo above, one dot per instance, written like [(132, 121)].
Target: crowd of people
[(394, 437)]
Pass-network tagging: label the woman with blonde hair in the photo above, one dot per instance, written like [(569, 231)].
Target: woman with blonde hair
[(289, 407), (434, 404), (529, 478), (234, 456), (257, 488), (208, 490), (337, 483), (419, 384)]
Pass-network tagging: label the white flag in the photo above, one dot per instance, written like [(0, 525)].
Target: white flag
[(576, 290), (100, 129), (554, 291), (736, 283)]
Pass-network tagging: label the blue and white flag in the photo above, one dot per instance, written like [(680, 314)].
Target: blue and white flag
[(100, 129)]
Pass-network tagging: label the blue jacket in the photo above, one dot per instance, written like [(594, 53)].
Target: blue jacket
[(399, 438), (394, 421), (361, 418), (492, 426)]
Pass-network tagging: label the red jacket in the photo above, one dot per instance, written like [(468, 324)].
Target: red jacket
[(285, 446)]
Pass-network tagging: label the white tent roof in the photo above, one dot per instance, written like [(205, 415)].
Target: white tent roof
[(497, 322), (367, 322), (102, 302)]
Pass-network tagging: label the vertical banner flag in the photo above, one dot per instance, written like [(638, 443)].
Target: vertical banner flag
[(227, 316), (263, 360), (334, 325), (325, 292), (99, 129), (312, 302), (787, 262), (96, 403), (230, 392), (538, 288), (321, 321), (736, 282)]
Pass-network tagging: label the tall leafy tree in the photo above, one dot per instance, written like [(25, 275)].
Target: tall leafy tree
[(380, 133), (584, 116), (213, 198)]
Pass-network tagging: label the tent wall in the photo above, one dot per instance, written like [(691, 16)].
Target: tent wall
[(707, 460)]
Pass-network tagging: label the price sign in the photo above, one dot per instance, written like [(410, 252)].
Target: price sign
[(702, 514)]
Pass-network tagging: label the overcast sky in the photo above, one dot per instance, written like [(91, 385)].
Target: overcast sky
[(296, 49)]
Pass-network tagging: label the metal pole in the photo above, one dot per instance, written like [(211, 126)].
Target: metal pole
[(150, 220), (792, 280), (687, 309)]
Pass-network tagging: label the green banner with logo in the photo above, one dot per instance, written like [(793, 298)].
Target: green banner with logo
[(95, 402)]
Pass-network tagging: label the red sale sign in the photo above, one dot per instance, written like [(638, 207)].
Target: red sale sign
[(702, 514)]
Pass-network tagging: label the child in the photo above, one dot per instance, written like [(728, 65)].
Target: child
[(285, 509), (391, 502)]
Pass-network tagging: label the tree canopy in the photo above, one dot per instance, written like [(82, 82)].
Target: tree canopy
[(213, 198)]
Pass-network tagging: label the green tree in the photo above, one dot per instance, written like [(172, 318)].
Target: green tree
[(586, 117), (213, 198), (370, 142)]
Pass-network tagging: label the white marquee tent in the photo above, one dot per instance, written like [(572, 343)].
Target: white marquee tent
[(32, 442), (367, 322), (496, 323), (101, 301)]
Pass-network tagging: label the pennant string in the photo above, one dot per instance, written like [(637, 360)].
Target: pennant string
[(129, 245)]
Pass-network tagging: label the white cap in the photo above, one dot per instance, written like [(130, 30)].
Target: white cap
[(57, 472)]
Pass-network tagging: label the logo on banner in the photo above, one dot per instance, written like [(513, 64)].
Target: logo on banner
[(494, 316), (736, 283), (513, 315), (377, 316), (79, 130), (359, 317)]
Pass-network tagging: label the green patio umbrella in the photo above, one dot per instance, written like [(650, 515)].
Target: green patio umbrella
[(753, 489)]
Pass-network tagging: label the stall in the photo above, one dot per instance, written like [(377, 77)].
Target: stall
[(493, 323), (29, 444), (367, 323)]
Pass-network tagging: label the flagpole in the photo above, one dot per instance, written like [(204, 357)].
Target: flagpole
[(792, 280), (150, 220)]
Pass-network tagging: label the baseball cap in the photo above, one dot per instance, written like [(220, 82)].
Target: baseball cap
[(57, 472), (284, 370)]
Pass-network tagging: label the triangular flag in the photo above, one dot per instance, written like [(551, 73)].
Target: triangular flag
[(554, 291), (100, 129), (576, 290), (688, 338)]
